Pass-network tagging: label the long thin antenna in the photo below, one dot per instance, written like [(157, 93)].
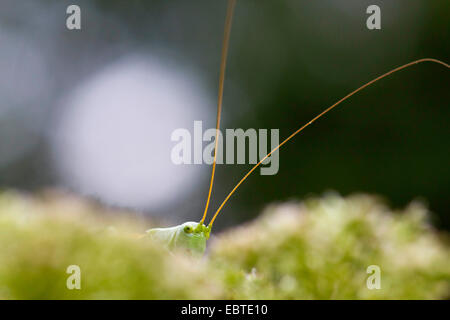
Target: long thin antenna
[(223, 64), (317, 117)]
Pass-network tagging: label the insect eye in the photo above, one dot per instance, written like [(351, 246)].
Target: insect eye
[(187, 229)]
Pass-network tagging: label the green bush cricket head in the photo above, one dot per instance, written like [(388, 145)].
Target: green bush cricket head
[(192, 236), (189, 236)]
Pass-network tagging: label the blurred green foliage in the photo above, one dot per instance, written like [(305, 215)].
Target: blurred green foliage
[(321, 250), (318, 249), (40, 240)]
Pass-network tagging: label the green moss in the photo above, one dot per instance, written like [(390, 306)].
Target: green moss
[(322, 248), (40, 239), (318, 249)]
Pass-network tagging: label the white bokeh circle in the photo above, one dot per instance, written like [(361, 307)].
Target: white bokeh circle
[(112, 134)]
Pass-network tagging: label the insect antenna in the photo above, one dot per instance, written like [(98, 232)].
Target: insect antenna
[(223, 63), (316, 118)]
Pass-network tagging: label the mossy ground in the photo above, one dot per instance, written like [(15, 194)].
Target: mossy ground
[(316, 249)]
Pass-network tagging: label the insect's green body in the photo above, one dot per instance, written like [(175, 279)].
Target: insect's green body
[(190, 236)]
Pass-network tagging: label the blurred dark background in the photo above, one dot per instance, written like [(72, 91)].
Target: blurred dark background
[(288, 61)]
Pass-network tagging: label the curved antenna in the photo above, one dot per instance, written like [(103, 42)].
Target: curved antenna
[(317, 117), (223, 64)]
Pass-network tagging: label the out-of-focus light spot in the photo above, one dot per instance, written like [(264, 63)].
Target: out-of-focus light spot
[(112, 136)]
